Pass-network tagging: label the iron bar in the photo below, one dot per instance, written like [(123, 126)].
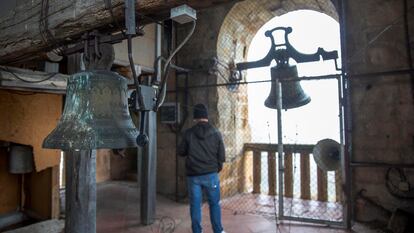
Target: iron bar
[(316, 221), (305, 78), (280, 144), (111, 39), (80, 191), (149, 171), (347, 118), (408, 46), (377, 164), (381, 73), (310, 78)]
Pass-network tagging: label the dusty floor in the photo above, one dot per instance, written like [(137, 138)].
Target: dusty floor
[(118, 211)]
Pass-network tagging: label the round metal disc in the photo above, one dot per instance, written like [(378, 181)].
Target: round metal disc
[(326, 154)]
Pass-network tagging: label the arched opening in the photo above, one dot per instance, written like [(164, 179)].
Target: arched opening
[(314, 121), (251, 135)]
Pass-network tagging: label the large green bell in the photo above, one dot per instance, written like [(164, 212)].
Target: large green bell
[(96, 114)]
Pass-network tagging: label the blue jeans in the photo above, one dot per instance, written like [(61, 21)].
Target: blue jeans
[(211, 184)]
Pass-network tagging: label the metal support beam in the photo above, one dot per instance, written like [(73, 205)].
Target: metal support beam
[(80, 180), (80, 191), (280, 147), (149, 171)]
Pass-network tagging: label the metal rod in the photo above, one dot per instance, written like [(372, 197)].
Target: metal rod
[(347, 111), (305, 78), (316, 221), (80, 191), (408, 46), (158, 37), (111, 39), (381, 73), (280, 144), (308, 78), (374, 164)]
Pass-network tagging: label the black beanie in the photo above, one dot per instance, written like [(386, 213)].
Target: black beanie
[(200, 111)]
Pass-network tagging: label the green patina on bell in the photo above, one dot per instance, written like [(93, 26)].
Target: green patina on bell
[(96, 114)]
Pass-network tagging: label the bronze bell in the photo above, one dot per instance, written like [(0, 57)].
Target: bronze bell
[(293, 95), (96, 114)]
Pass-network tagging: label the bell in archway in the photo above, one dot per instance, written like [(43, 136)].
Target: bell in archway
[(96, 114), (293, 95)]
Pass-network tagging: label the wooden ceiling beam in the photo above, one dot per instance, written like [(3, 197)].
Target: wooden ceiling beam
[(13, 78), (24, 34)]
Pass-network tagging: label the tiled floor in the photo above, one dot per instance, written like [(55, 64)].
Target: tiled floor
[(118, 211), (267, 206)]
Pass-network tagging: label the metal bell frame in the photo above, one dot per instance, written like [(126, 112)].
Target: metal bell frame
[(281, 53)]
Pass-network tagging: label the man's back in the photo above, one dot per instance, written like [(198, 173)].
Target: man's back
[(204, 149)]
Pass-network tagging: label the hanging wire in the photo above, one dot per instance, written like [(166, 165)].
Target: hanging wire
[(163, 85), (49, 76), (46, 34)]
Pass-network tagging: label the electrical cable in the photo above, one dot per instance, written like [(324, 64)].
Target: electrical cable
[(51, 75), (163, 85), (46, 35)]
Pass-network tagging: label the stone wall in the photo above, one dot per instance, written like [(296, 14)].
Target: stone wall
[(382, 106), (223, 32)]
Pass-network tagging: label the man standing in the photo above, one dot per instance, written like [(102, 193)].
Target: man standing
[(203, 148)]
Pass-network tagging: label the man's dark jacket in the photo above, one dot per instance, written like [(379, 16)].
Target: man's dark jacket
[(203, 148)]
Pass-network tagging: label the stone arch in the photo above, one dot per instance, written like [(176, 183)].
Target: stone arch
[(236, 32), (245, 18)]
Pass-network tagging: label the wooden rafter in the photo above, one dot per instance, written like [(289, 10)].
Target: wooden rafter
[(23, 33)]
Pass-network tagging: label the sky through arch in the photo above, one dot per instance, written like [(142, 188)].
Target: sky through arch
[(316, 120)]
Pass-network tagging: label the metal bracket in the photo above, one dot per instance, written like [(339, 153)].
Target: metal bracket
[(283, 51)]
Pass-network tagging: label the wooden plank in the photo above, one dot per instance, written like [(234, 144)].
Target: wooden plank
[(322, 185), (292, 148), (305, 176), (55, 205), (63, 173), (12, 78), (9, 185), (271, 163), (38, 194), (257, 171), (288, 175), (338, 186), (27, 119), (66, 21)]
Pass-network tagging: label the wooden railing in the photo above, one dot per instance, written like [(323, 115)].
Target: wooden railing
[(305, 152)]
